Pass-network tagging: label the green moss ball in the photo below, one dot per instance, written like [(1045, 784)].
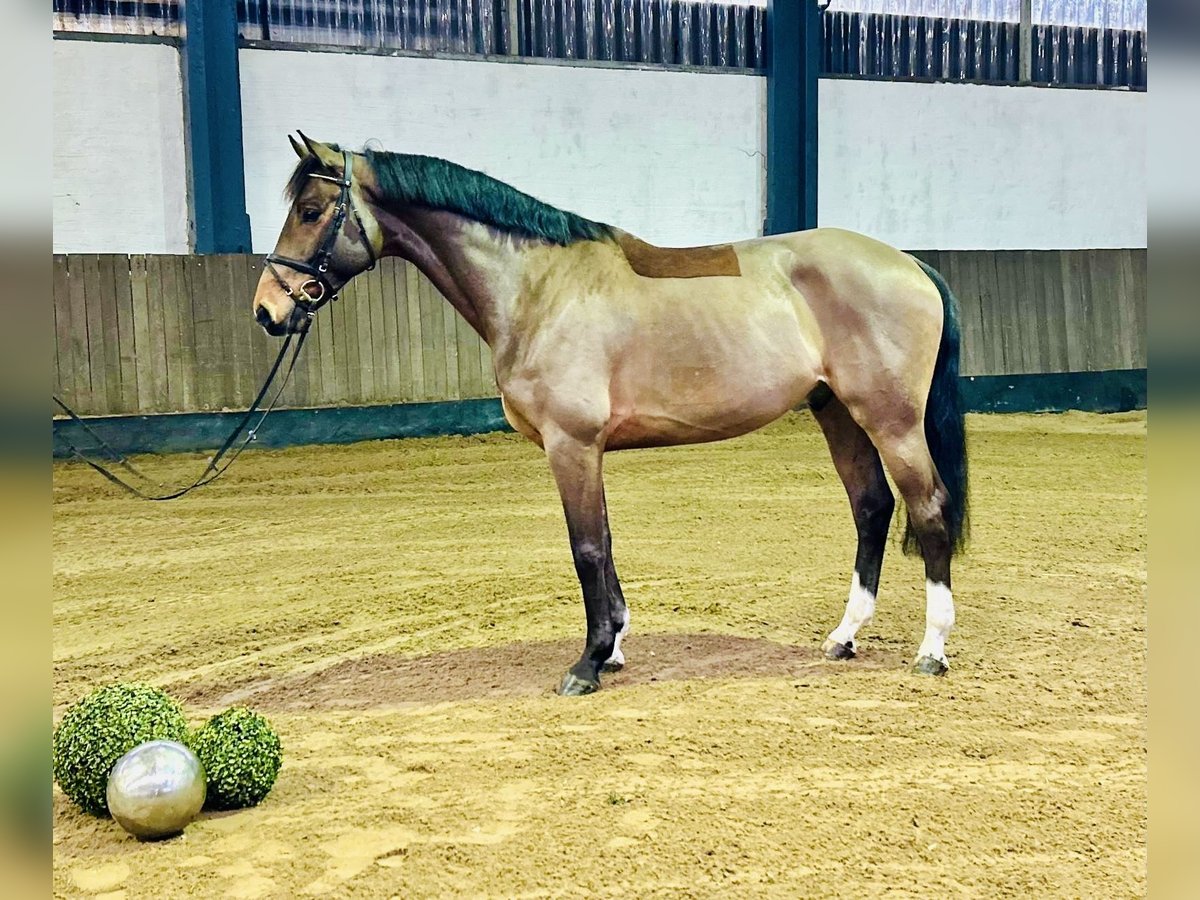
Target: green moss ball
[(103, 727), (241, 755)]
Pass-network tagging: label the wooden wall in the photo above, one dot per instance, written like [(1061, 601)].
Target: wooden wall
[(1029, 311), (145, 334), (142, 334)]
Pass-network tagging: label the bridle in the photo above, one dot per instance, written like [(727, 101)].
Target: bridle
[(318, 289)]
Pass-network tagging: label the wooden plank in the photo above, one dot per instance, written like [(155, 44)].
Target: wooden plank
[(233, 316), (433, 342), (1141, 294), (1133, 305), (1105, 337), (373, 342), (995, 312), (470, 381), (65, 366), (450, 319), (416, 339), (1076, 303), (126, 340), (959, 272), (157, 394), (143, 356), (390, 308), (245, 281), (1021, 321), (204, 334), (352, 302), (486, 367), (160, 271), (1056, 310), (1034, 328), (185, 286), (81, 326), (102, 306)]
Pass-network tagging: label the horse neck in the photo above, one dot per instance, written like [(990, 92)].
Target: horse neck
[(478, 269)]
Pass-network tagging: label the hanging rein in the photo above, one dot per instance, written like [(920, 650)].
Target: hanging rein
[(310, 296)]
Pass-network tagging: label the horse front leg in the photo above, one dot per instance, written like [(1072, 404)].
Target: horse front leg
[(577, 471)]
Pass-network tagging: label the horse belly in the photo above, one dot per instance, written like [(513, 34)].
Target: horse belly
[(696, 404)]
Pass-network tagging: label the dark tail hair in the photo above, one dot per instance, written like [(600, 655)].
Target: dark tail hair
[(944, 431)]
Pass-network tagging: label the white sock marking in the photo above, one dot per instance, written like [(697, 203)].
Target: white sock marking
[(860, 607), (617, 657), (939, 620)]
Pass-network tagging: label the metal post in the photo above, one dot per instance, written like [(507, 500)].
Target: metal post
[(213, 126), (793, 64), (1025, 60)]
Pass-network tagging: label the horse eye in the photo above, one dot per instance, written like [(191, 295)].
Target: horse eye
[(310, 215)]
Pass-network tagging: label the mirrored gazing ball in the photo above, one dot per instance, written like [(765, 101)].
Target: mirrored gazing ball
[(156, 789)]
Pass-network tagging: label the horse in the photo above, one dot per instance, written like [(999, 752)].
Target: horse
[(603, 342)]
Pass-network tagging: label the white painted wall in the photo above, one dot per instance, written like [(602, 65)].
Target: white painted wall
[(120, 181), (673, 157), (961, 167)]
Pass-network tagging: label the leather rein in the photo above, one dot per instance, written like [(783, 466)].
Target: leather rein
[(311, 296)]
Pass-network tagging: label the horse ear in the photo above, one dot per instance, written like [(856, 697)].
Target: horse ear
[(300, 150), (326, 154)]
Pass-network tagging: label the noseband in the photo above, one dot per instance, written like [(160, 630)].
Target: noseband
[(318, 290)]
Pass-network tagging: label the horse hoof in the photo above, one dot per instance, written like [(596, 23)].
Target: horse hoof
[(927, 665), (837, 650), (613, 665), (574, 686)]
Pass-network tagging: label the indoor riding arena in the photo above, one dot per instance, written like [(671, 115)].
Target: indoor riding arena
[(385, 574)]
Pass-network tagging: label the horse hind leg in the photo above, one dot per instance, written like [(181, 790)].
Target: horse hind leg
[(872, 504), (926, 499)]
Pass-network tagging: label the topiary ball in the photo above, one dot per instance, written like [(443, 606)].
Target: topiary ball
[(241, 754), (103, 727)]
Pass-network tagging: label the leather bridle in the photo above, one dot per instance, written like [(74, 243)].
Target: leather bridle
[(318, 289)]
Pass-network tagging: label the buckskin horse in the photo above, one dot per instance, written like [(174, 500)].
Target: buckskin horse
[(602, 341)]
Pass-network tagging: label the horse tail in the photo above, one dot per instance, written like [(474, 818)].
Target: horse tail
[(944, 426)]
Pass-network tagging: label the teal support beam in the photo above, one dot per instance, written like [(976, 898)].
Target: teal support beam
[(793, 64), (213, 124)]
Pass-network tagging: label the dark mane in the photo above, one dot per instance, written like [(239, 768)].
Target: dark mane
[(440, 184)]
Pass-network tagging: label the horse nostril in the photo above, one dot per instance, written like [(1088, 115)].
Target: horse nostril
[(263, 317)]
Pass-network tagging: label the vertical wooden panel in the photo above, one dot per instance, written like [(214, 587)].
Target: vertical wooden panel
[(66, 368), (1034, 324), (117, 268), (1105, 336), (373, 346), (450, 349), (1077, 305), (1132, 300), (959, 273), (322, 380), (416, 340), (143, 356), (80, 333), (226, 284), (161, 333), (489, 374), (1142, 292), (432, 339), (389, 364)]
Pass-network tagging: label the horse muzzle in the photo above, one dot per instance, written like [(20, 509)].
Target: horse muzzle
[(298, 321)]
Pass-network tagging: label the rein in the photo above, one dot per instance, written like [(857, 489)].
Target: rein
[(313, 294), (213, 470)]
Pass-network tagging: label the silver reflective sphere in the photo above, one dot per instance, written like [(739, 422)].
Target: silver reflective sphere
[(156, 788)]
